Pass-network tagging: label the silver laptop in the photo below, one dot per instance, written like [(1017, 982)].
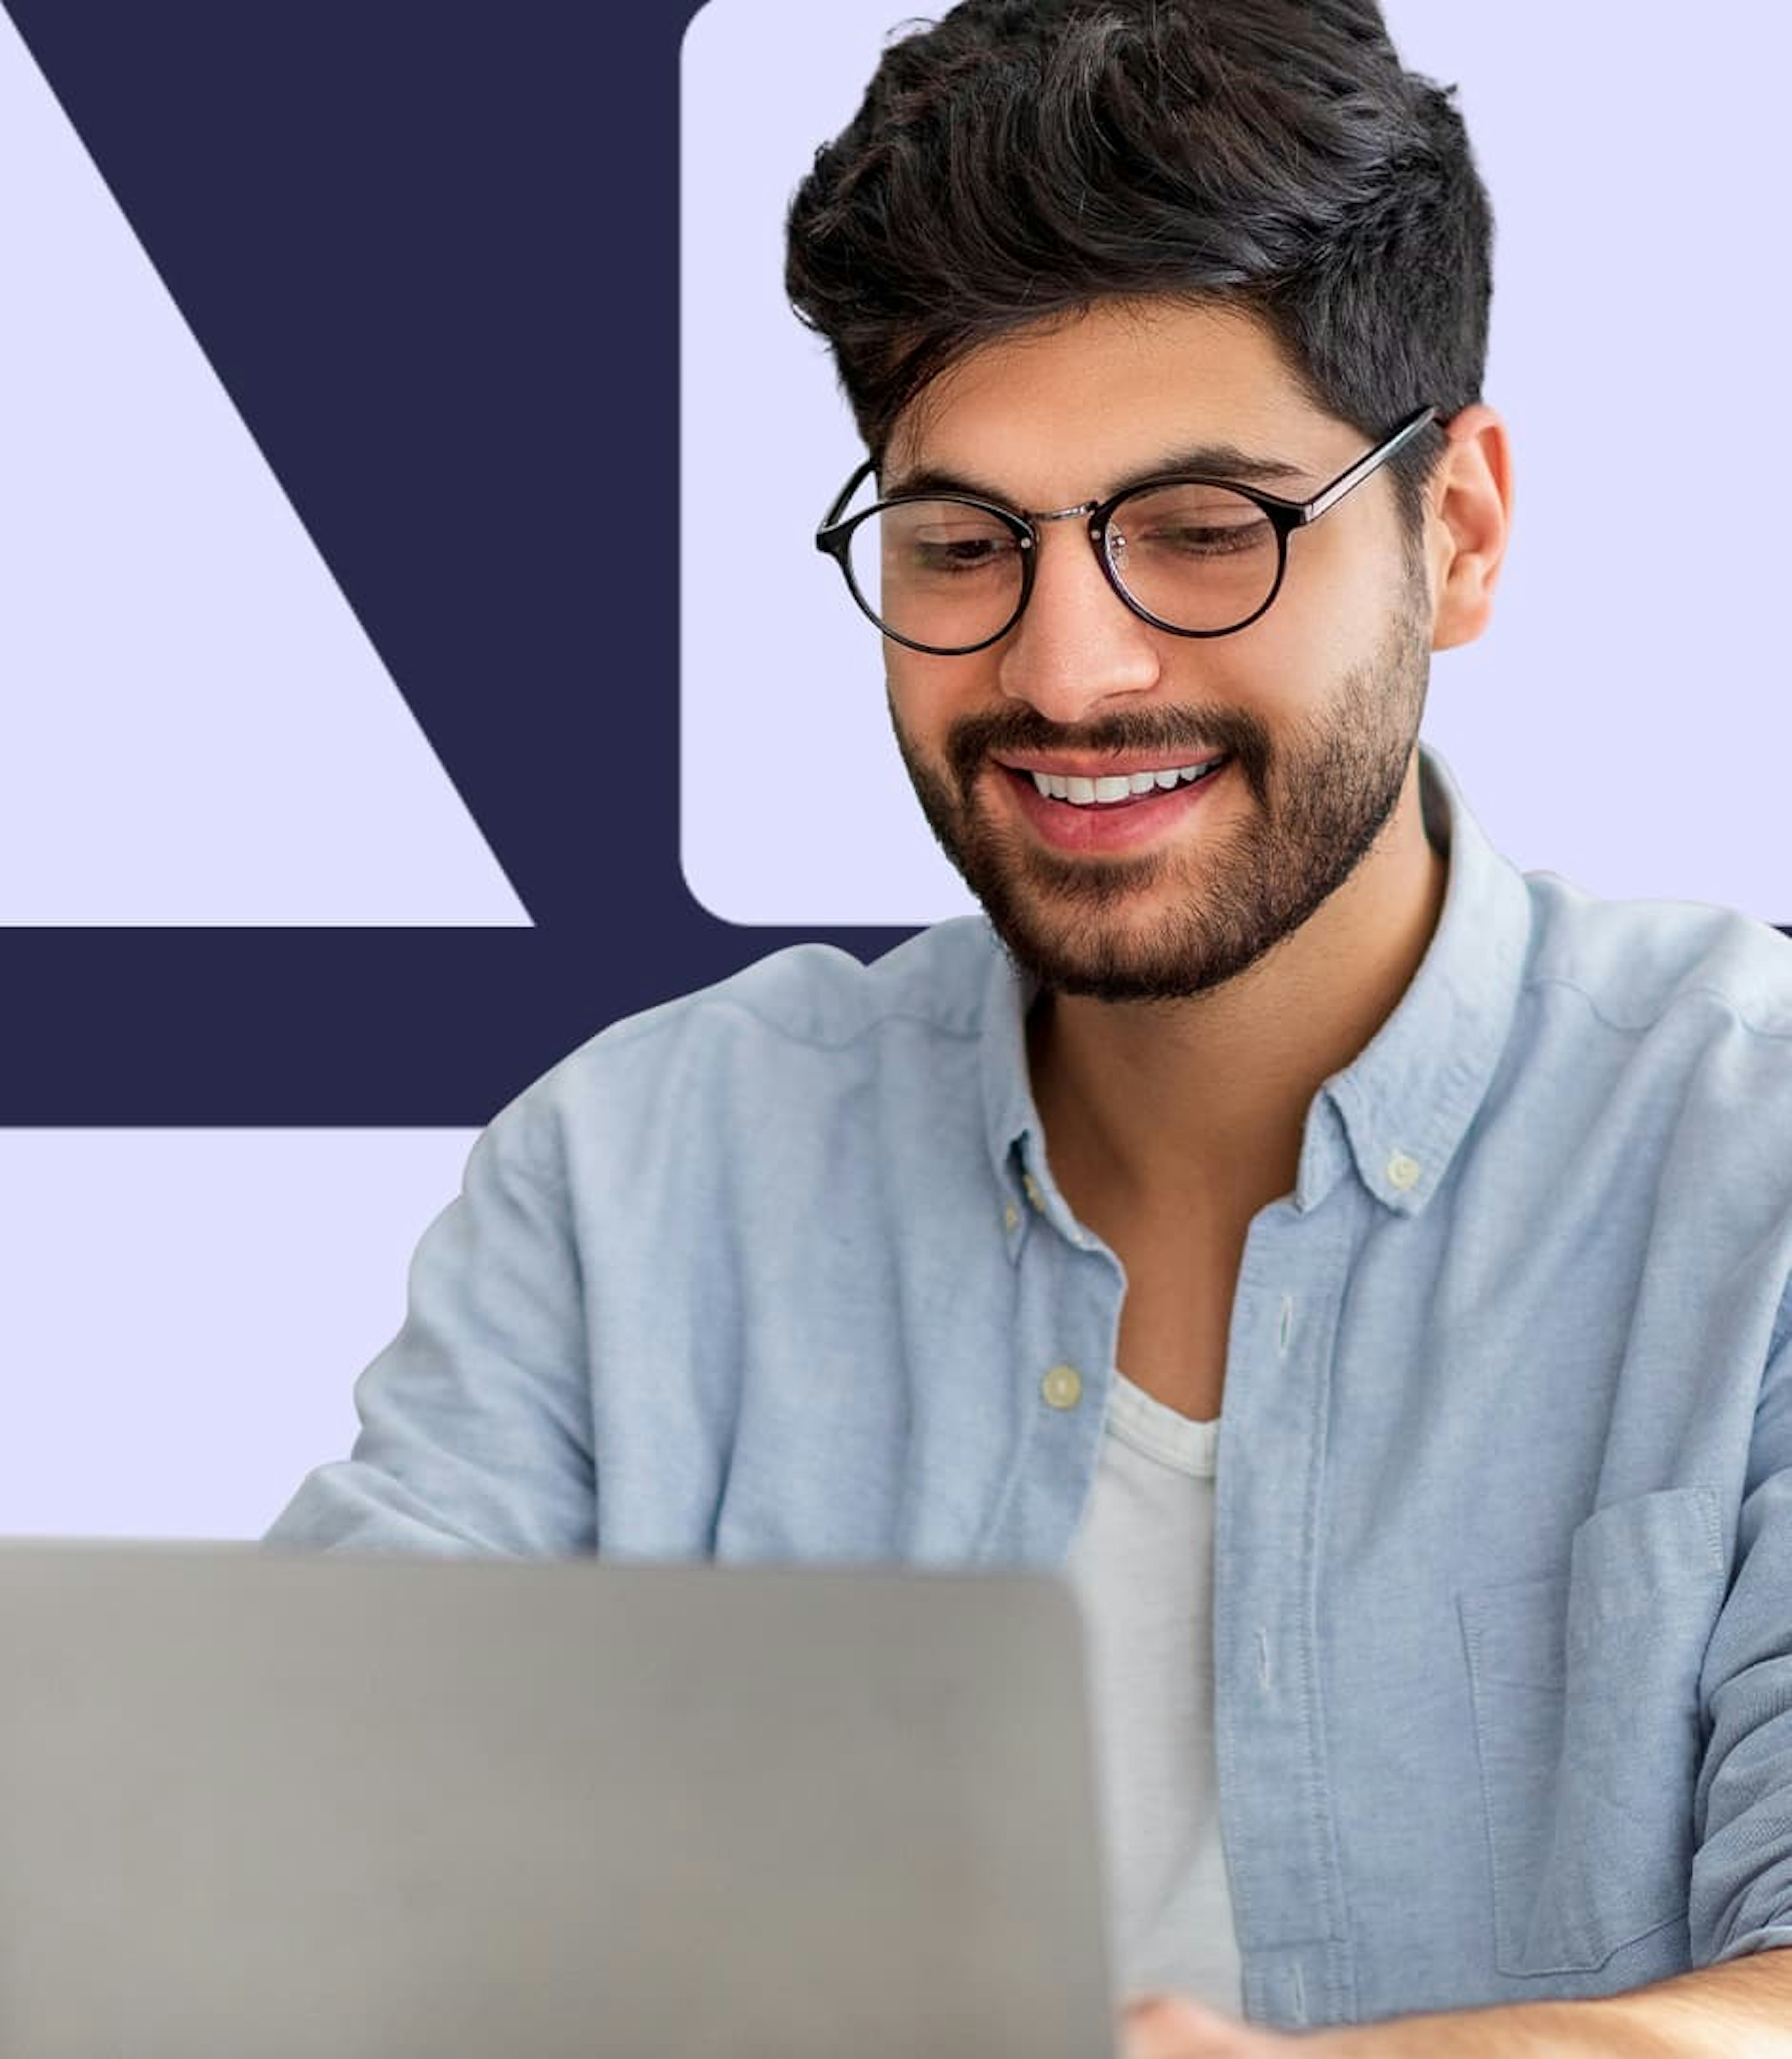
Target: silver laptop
[(259, 1806)]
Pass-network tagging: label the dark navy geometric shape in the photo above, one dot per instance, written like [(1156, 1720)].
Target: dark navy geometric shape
[(431, 252)]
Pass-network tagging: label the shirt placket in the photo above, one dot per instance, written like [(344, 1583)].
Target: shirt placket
[(1067, 1308), (1276, 1807)]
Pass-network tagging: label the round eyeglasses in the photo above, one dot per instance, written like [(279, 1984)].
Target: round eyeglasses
[(949, 573)]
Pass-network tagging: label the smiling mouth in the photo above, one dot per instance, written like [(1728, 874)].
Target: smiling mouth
[(1118, 791)]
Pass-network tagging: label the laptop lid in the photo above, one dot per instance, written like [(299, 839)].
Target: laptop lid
[(337, 1806)]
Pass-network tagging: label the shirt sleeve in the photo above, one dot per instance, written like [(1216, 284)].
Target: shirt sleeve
[(1741, 1875), (476, 1420)]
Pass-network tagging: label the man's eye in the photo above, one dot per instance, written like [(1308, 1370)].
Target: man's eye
[(960, 554), (1199, 540)]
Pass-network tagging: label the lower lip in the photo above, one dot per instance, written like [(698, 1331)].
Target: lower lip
[(1123, 826)]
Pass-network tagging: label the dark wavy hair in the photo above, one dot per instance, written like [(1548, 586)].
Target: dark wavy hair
[(1022, 159)]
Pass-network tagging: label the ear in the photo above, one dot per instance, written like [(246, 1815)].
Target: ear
[(1471, 513)]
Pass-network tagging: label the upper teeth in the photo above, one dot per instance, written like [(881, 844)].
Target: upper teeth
[(1085, 793)]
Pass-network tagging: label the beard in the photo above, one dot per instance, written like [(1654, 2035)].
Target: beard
[(1323, 788)]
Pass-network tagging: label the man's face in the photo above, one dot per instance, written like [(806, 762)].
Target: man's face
[(1316, 707)]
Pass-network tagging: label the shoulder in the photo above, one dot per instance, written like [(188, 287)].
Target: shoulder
[(1653, 1040), (781, 1037), (1644, 967), (820, 996)]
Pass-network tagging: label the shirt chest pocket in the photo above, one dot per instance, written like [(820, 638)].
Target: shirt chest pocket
[(1585, 1688)]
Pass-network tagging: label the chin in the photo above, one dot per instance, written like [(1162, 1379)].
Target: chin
[(1157, 955)]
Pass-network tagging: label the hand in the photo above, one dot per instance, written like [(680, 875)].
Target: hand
[(1171, 2027)]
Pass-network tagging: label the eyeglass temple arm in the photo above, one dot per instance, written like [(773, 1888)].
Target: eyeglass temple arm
[(1332, 495)]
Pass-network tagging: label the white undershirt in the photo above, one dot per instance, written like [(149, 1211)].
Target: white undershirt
[(1141, 1565)]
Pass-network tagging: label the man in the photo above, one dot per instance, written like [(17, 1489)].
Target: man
[(1363, 1270)]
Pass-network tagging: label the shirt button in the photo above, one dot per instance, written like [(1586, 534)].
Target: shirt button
[(1010, 1218), (1404, 1171), (1033, 1192), (1062, 1387)]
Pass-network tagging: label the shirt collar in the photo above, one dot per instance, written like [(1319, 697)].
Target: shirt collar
[(1011, 1122), (1404, 1103), (1407, 1100)]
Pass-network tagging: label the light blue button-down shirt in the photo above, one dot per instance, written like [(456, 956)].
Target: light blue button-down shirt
[(1503, 1641)]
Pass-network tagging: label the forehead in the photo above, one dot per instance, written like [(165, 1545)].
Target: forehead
[(1062, 407)]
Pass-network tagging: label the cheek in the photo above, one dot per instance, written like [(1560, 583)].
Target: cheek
[(1322, 627), (1270, 669), (928, 694)]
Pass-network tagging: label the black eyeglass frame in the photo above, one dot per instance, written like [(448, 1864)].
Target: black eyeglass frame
[(834, 537)]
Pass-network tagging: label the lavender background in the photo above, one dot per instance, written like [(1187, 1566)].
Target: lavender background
[(196, 731)]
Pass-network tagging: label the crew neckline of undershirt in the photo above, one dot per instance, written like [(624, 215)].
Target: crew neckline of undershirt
[(1157, 1430)]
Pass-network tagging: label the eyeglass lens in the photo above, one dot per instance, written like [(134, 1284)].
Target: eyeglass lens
[(949, 575)]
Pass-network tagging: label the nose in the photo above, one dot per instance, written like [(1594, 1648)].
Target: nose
[(1078, 645)]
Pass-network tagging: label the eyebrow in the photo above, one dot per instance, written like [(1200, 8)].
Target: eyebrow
[(1217, 461)]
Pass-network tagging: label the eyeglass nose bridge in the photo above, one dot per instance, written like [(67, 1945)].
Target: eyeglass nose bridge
[(1090, 512), (1064, 514)]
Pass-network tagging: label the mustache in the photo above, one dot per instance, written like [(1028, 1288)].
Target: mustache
[(1167, 732)]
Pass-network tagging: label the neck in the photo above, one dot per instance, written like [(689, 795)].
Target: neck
[(1199, 1106)]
